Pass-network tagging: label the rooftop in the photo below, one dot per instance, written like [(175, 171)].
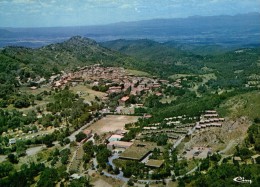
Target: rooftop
[(139, 150), (115, 137), (121, 143), (154, 163), (124, 98)]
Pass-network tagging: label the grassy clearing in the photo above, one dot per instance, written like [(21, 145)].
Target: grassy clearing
[(243, 105), (206, 77), (41, 104), (177, 76), (138, 73), (39, 157), (168, 99), (86, 92), (35, 92)]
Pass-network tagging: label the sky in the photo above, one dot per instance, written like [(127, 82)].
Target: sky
[(51, 13)]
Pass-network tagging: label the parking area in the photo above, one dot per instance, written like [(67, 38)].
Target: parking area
[(197, 152)]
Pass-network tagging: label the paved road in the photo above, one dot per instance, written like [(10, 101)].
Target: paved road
[(177, 143), (72, 137), (222, 158), (228, 147), (149, 181), (119, 176), (2, 158), (34, 150), (73, 157), (191, 131), (110, 159), (189, 172)]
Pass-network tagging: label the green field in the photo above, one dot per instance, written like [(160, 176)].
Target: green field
[(86, 92), (138, 73)]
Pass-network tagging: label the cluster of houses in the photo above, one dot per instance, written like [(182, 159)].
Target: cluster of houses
[(117, 80), (174, 128), (253, 81), (209, 119), (177, 83)]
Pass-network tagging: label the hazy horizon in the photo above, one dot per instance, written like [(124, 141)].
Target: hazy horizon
[(57, 13)]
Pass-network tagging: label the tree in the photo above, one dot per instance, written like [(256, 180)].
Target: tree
[(257, 160), (205, 164), (12, 158), (5, 169), (130, 182), (48, 178), (14, 122), (116, 170), (20, 148), (102, 155), (66, 140), (21, 103), (181, 183), (80, 136), (64, 159), (82, 182), (48, 139)]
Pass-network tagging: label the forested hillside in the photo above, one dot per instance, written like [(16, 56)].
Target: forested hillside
[(232, 68)]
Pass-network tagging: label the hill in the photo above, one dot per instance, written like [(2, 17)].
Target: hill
[(20, 65), (161, 59), (232, 67), (68, 55)]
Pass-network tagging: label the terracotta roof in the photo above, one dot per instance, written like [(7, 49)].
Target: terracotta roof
[(124, 98)]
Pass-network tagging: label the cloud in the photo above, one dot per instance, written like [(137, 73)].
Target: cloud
[(84, 12), (23, 1), (137, 10)]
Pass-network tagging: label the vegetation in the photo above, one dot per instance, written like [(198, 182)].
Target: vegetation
[(227, 90), (102, 154)]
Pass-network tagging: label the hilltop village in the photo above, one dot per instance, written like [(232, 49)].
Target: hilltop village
[(113, 79)]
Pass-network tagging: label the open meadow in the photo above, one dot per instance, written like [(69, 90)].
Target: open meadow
[(111, 123), (86, 92)]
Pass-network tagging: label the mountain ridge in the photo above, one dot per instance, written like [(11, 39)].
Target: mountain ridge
[(237, 30)]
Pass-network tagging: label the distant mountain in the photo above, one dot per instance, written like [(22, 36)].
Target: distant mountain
[(160, 59), (238, 30), (5, 33), (138, 47), (144, 49)]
